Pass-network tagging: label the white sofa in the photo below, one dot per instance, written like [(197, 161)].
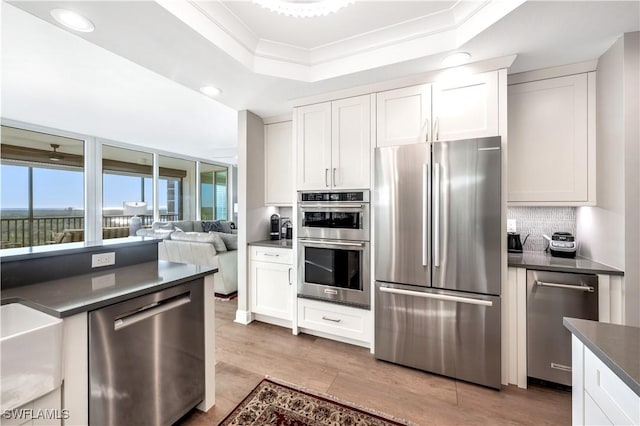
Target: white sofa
[(185, 242)]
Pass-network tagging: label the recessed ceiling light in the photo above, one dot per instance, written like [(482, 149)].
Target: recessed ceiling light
[(73, 20), (210, 90), (456, 59)]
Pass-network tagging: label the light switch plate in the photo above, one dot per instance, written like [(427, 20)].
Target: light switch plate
[(103, 259), (511, 225)]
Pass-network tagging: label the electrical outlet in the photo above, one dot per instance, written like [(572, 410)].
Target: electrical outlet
[(103, 259), (511, 225)]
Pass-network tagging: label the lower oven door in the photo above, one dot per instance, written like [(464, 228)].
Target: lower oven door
[(337, 271)]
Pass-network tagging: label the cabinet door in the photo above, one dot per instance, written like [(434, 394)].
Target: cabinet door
[(403, 116), (351, 143), (278, 144), (271, 289), (313, 143), (548, 140), (466, 107)]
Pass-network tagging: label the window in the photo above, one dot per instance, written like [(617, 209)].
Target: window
[(176, 189), (42, 197), (127, 191), (213, 192)]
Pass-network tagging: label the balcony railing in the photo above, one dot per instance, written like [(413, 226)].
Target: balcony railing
[(37, 231)]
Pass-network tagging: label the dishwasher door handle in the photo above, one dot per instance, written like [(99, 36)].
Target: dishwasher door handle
[(567, 286), (151, 310)]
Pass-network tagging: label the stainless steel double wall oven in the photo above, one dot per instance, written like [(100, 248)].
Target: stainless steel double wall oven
[(333, 247)]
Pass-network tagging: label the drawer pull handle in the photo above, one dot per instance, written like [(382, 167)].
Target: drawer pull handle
[(567, 286), (331, 319), (272, 255)]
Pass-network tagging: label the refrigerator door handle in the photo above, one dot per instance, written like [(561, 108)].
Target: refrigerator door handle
[(436, 215), (425, 223), (444, 297)]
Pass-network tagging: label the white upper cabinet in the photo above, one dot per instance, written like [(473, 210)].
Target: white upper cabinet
[(551, 156), (351, 143), (460, 108), (278, 145), (466, 107), (313, 142), (404, 116), (333, 141)]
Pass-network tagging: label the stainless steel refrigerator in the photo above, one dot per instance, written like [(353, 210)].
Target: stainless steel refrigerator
[(438, 258)]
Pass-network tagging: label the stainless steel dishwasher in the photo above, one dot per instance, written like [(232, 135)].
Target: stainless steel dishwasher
[(146, 358), (551, 296)]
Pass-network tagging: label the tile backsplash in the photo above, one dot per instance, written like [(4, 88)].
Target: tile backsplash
[(542, 220)]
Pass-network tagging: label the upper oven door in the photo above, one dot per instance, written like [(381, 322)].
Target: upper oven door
[(344, 221)]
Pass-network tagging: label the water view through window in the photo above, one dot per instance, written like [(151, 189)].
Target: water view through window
[(42, 195), (42, 190)]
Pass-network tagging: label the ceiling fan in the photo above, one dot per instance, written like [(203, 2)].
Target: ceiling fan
[(55, 155)]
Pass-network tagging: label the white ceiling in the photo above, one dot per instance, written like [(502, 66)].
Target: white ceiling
[(143, 54)]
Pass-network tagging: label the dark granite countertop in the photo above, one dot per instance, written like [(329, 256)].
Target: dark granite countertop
[(273, 243), (546, 262), (618, 346), (81, 293), (21, 253)]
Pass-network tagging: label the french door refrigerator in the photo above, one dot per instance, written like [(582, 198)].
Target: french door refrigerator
[(438, 258)]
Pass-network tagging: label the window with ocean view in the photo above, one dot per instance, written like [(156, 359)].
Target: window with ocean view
[(42, 198), (43, 180), (127, 177), (213, 192)]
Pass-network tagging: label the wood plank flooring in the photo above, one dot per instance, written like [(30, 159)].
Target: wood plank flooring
[(245, 354)]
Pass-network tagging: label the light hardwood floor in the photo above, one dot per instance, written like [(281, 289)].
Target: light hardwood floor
[(245, 354)]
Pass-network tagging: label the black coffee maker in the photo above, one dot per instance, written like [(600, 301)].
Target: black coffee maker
[(514, 245), (274, 234)]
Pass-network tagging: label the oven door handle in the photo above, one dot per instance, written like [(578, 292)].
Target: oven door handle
[(333, 243), (331, 206)]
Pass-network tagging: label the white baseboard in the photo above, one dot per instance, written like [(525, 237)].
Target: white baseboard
[(272, 320), (243, 317)]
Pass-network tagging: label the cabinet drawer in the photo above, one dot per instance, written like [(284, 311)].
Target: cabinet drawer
[(344, 321), (618, 402), (273, 255)]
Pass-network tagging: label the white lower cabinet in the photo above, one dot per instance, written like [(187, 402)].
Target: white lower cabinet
[(600, 397), (339, 322), (271, 282)]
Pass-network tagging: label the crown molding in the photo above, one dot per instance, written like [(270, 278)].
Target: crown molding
[(412, 80), (426, 35)]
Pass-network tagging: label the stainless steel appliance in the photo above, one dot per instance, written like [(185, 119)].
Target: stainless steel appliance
[(562, 244), (274, 233), (438, 257), (336, 215), (146, 358), (333, 247), (550, 297)]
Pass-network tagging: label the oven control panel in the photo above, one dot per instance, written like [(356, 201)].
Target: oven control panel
[(334, 196)]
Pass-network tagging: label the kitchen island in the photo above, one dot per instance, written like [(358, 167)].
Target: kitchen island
[(76, 298), (606, 372)]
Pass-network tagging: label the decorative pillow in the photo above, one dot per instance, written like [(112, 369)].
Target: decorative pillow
[(208, 226), (230, 240), (226, 227), (160, 234), (162, 225)]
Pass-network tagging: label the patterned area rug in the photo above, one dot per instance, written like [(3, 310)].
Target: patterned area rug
[(275, 403)]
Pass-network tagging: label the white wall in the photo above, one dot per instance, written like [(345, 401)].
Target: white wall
[(253, 216), (609, 233), (632, 176)]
